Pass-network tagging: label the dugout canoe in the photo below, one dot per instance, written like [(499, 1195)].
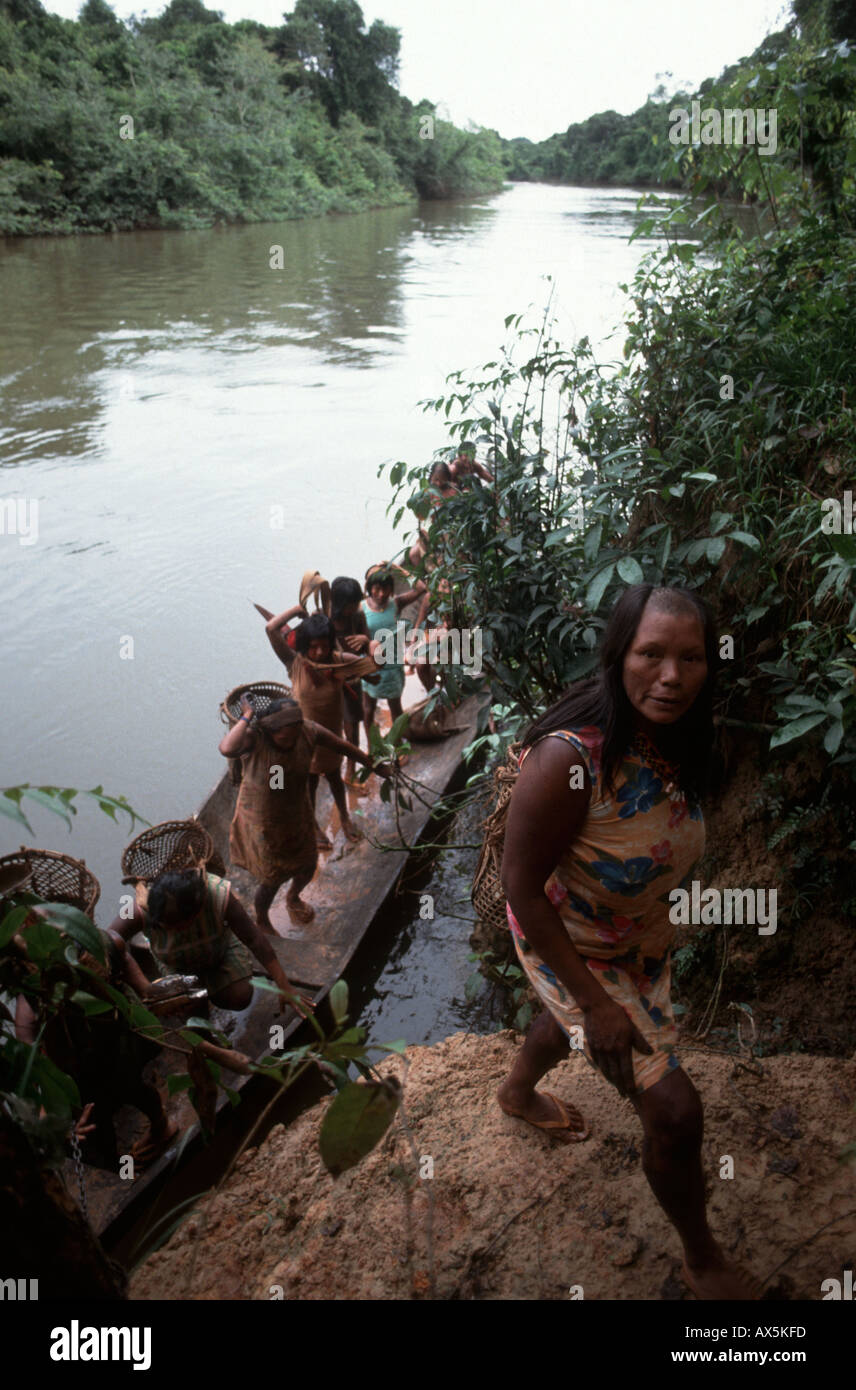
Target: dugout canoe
[(351, 886)]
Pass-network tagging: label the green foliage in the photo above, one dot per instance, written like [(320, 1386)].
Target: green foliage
[(672, 480), (59, 800), (355, 1122), (506, 976), (230, 122)]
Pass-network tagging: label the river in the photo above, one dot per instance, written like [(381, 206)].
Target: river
[(164, 392)]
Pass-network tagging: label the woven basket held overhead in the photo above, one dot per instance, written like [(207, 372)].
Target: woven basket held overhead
[(167, 848), (488, 897), (261, 695), (56, 878)]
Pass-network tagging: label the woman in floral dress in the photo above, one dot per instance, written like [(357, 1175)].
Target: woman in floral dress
[(604, 823)]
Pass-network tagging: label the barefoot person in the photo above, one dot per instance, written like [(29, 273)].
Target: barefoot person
[(352, 635), (318, 676), (273, 829), (604, 822)]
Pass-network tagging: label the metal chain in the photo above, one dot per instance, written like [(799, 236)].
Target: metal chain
[(78, 1168)]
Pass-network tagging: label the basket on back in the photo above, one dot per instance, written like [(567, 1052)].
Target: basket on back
[(487, 896), (261, 695), (54, 877), (170, 847)]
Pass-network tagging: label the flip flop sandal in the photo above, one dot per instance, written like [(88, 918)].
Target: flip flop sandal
[(754, 1286), (568, 1114)]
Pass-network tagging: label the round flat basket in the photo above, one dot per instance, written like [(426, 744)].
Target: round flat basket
[(56, 878), (261, 695), (166, 848)]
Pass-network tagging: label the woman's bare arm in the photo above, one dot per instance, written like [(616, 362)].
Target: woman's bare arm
[(545, 816), (238, 920), (124, 928), (240, 737), (410, 595), (348, 750), (274, 627)]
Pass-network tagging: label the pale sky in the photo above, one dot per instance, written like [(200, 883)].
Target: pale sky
[(532, 69)]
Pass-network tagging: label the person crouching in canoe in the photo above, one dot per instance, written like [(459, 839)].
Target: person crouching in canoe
[(195, 925), (273, 829)]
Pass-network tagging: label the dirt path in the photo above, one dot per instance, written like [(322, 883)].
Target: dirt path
[(518, 1216)]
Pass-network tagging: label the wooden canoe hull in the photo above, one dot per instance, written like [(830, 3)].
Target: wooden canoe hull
[(350, 887)]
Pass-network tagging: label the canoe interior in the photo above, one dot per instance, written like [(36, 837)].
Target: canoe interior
[(350, 886)]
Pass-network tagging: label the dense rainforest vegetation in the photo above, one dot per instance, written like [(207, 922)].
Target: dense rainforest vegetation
[(718, 454), (184, 120)]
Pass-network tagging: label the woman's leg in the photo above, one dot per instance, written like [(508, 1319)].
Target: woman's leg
[(299, 911), (395, 707), (673, 1122), (320, 838), (265, 894), (352, 735), (546, 1045), (369, 707), (337, 787)]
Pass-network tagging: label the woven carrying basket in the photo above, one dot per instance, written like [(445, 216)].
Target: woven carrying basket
[(261, 695), (168, 848), (56, 878), (487, 896)]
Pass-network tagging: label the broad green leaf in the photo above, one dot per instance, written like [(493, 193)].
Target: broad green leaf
[(356, 1120), (745, 539), (598, 587), (630, 570), (834, 735), (11, 922), (845, 546), (9, 808), (715, 549), (796, 729), (339, 1001), (89, 1004), (79, 927)]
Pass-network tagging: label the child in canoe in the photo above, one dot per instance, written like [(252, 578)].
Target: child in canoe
[(381, 608)]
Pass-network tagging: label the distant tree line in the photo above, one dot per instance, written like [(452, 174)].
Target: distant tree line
[(613, 149), (223, 122), (184, 120)]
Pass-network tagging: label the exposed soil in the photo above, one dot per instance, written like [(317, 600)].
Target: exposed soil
[(800, 982), (514, 1214)]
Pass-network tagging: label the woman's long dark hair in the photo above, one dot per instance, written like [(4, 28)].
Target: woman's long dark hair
[(601, 700), (316, 628)]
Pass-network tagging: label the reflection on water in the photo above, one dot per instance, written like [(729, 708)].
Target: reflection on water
[(164, 391)]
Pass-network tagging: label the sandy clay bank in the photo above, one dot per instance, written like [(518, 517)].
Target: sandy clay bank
[(511, 1213)]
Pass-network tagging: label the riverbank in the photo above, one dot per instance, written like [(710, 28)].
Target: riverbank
[(511, 1213)]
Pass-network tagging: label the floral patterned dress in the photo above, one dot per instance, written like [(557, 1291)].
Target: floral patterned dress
[(611, 889)]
